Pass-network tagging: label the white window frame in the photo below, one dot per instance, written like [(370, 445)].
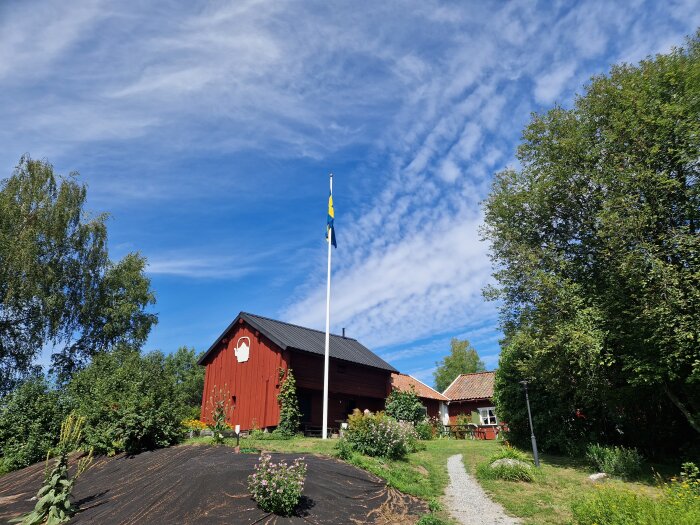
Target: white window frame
[(490, 420)]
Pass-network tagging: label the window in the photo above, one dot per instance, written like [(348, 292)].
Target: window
[(488, 416)]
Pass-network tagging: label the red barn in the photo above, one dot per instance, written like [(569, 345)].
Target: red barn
[(472, 395), (243, 368), (434, 402)]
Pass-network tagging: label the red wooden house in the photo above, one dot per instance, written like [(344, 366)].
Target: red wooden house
[(243, 368), (434, 402), (472, 395)]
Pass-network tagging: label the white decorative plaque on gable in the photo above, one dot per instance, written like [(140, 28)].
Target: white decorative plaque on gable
[(242, 350)]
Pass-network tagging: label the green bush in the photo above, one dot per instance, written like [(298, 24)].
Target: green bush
[(277, 487), (515, 472), (425, 430), (290, 415), (615, 461), (129, 402), (404, 405), (30, 423), (379, 435)]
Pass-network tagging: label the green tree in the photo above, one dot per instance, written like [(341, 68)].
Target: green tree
[(290, 415), (30, 423), (58, 287), (129, 401), (404, 405), (462, 359), (597, 255), (189, 380)]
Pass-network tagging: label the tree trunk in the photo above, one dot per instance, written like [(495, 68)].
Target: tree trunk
[(688, 415)]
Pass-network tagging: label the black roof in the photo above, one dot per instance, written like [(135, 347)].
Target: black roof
[(294, 337)]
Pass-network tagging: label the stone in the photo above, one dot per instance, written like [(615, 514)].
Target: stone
[(510, 462), (599, 476)]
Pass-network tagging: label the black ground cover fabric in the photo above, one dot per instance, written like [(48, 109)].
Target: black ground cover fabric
[(206, 484)]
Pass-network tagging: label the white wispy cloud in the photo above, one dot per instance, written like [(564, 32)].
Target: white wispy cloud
[(433, 96)]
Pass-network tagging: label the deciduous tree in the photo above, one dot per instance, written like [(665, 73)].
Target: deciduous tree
[(58, 287), (462, 359), (595, 240)]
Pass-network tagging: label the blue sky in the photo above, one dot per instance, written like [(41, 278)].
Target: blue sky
[(207, 130)]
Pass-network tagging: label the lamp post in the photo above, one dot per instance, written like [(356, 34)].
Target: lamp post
[(532, 430)]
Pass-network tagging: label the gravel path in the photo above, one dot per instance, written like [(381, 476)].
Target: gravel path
[(467, 501)]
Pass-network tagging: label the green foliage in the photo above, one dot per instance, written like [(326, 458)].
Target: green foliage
[(434, 505), (379, 435), (221, 409), (463, 359), (623, 507), (425, 429), (54, 506), (679, 504), (507, 472), (404, 405), (431, 519), (189, 380), (290, 415), (615, 461), (277, 487), (129, 402), (58, 286), (595, 241), (30, 421)]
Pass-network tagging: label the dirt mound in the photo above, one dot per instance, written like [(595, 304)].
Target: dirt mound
[(201, 484)]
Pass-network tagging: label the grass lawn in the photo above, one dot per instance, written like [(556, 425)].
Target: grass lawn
[(547, 500)]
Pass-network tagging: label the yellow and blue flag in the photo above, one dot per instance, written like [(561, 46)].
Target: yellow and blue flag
[(330, 228)]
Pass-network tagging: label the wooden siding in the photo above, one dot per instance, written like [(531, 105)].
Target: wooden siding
[(432, 406), (253, 384), (344, 378), (456, 408)]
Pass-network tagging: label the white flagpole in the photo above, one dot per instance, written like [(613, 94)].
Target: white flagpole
[(324, 430)]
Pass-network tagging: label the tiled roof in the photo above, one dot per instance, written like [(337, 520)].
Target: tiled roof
[(291, 336), (405, 382), (471, 386)]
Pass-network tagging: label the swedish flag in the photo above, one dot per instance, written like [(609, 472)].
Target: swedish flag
[(330, 228)]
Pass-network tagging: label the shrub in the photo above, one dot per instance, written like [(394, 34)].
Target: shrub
[(221, 409), (615, 461), (404, 405), (277, 487), (520, 471), (290, 415), (129, 402), (380, 435), (507, 472), (30, 423), (425, 430), (508, 452), (343, 449)]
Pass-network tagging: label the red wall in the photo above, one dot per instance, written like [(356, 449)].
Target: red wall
[(455, 408), (432, 406), (254, 383), (343, 377)]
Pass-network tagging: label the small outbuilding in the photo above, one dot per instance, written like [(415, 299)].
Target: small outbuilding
[(246, 364), (434, 402), (472, 395)]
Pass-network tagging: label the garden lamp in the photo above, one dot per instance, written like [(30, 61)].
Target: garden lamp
[(532, 430)]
